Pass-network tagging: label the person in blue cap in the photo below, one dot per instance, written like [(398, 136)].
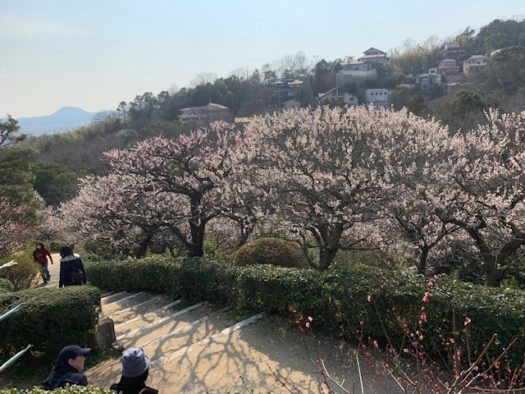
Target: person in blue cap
[(135, 370), (69, 368)]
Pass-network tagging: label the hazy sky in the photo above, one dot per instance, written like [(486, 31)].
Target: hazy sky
[(96, 53)]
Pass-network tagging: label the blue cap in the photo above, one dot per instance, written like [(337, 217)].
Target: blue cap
[(134, 362), (72, 351)]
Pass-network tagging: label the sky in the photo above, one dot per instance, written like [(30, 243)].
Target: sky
[(94, 54)]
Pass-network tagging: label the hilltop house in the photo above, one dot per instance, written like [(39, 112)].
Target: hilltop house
[(286, 89), (448, 66), (377, 97), (375, 56), (335, 97), (429, 80), (452, 50), (355, 73), (204, 115), (474, 64)]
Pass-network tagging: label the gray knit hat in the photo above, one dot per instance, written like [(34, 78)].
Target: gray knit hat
[(134, 362)]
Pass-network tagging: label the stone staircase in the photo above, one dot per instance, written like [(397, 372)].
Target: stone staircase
[(199, 348)]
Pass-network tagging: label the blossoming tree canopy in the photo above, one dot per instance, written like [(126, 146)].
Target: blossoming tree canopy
[(327, 169), (487, 189)]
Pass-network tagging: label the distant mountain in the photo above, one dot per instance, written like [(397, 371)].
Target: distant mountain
[(64, 119)]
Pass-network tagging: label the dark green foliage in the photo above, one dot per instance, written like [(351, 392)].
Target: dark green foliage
[(505, 69), (154, 273), (337, 299), (16, 180), (54, 182), (6, 286), (51, 319), (273, 251)]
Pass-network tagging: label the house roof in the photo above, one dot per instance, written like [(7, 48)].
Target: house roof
[(477, 57), (210, 106), (321, 95), (374, 51)]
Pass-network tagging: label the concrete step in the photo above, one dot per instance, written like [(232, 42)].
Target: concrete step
[(186, 335), (160, 327), (127, 314), (121, 304), (148, 317), (113, 297)]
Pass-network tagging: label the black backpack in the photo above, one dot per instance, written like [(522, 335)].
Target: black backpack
[(77, 276)]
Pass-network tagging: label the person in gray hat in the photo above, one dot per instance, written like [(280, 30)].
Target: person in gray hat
[(69, 368), (135, 370)]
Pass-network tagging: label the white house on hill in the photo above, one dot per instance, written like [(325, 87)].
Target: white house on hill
[(377, 97), (204, 115), (375, 56), (335, 97), (355, 73)]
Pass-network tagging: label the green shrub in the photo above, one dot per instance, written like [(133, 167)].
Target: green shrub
[(6, 286), (68, 390), (155, 273), (338, 299), (54, 246), (272, 251), (24, 274), (50, 319)]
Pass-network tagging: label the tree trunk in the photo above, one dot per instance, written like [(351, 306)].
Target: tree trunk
[(327, 252), (143, 247), (422, 264), (494, 276), (326, 256), (196, 249)]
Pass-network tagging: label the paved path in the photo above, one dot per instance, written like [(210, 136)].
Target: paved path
[(197, 348)]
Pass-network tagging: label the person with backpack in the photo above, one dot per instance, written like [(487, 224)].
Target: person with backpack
[(69, 368), (72, 271), (135, 370), (40, 255)]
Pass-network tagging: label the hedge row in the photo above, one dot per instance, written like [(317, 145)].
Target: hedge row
[(68, 390), (50, 319), (338, 300), (6, 286)]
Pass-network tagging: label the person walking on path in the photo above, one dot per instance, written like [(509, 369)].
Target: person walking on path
[(135, 370), (69, 369), (40, 255), (72, 271)]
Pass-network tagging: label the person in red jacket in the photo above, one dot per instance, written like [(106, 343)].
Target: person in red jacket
[(40, 255)]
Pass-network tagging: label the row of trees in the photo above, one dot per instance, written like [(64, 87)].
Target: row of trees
[(332, 178)]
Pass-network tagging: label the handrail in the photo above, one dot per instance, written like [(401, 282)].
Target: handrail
[(11, 312), (13, 359)]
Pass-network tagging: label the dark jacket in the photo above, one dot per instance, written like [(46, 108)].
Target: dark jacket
[(68, 266), (132, 386), (64, 374)]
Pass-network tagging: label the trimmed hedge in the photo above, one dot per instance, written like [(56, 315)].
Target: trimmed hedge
[(68, 390), (273, 251), (337, 299), (6, 286), (50, 319)]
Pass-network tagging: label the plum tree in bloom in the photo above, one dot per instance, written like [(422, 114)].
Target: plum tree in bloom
[(327, 169), (416, 174), (487, 192), (15, 226), (193, 169), (122, 212)]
